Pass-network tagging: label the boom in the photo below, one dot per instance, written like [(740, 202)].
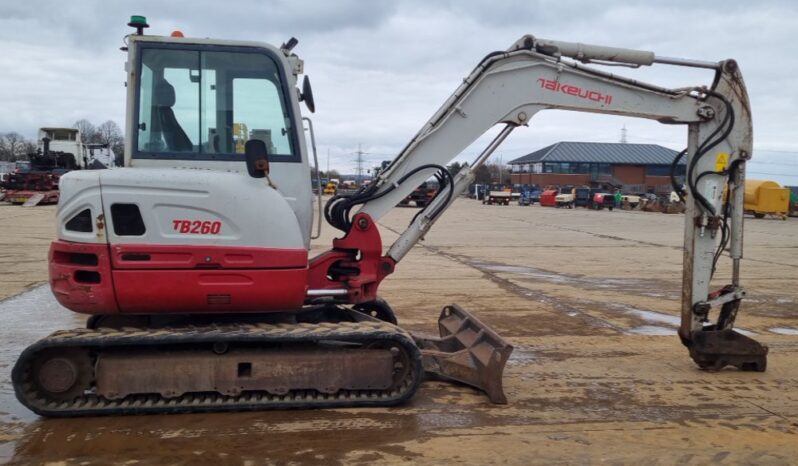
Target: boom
[(510, 87)]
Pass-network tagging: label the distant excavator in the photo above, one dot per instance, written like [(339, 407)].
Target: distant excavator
[(193, 259)]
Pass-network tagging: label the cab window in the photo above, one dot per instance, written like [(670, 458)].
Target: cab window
[(208, 104)]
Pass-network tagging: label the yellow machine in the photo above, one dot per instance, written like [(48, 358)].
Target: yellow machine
[(331, 188), (764, 197), (240, 136)]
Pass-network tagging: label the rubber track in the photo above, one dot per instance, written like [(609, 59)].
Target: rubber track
[(97, 340)]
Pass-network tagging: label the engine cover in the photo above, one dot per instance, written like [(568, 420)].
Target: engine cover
[(151, 241)]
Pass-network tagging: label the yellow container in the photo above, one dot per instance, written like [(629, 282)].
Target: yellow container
[(763, 197)]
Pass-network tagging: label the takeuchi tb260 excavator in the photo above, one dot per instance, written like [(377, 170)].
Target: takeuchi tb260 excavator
[(193, 260)]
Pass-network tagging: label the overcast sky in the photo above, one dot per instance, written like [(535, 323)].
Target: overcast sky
[(381, 68)]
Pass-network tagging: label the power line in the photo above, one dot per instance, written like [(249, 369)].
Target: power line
[(758, 162), (360, 154), (772, 174), (779, 151)]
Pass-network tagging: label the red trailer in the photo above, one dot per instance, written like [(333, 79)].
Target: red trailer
[(21, 187), (548, 198)]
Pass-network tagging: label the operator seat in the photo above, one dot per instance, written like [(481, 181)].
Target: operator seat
[(173, 134)]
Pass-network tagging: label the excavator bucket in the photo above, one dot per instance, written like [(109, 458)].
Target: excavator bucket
[(716, 349), (467, 352)]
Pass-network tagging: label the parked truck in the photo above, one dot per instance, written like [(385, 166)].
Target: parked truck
[(421, 196), (566, 198), (498, 197)]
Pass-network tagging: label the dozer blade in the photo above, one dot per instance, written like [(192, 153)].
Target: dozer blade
[(716, 349), (467, 351)]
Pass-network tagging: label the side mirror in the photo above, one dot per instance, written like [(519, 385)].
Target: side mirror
[(257, 158), (307, 95)]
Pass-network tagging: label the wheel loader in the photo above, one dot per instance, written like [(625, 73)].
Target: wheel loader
[(193, 259)]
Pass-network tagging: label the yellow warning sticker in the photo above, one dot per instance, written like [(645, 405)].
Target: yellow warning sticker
[(721, 161)]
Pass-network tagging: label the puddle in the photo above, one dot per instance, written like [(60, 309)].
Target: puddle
[(643, 287), (652, 330), (650, 316), (558, 278), (26, 318), (668, 323), (6, 451)]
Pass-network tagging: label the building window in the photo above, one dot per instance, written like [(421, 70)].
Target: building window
[(663, 170)]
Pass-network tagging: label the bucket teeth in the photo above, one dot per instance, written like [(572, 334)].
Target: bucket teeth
[(467, 351)]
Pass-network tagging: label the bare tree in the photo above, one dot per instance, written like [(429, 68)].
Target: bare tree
[(109, 133), (87, 130), (14, 143), (5, 154), (28, 147)]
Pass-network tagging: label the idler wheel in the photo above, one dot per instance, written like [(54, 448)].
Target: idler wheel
[(62, 374)]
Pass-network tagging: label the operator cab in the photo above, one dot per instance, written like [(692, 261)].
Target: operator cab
[(196, 103), (206, 102)]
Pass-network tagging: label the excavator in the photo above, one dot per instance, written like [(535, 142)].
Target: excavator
[(193, 260)]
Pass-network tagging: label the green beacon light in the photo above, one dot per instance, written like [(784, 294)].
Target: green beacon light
[(138, 22)]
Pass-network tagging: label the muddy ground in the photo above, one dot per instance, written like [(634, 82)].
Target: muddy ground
[(588, 299)]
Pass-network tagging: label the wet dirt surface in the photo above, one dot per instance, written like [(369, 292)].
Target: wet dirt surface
[(588, 299)]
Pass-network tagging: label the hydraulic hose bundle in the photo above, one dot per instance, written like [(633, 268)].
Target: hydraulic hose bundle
[(724, 129), (338, 210)]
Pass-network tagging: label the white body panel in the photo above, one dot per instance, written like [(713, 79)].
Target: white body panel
[(251, 213), (291, 179), (80, 190)]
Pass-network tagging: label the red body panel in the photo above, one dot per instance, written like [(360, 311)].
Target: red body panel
[(80, 277), (177, 279), (220, 291), (548, 198), (155, 279)]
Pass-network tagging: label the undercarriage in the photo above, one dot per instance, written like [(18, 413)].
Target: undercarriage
[(323, 357)]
